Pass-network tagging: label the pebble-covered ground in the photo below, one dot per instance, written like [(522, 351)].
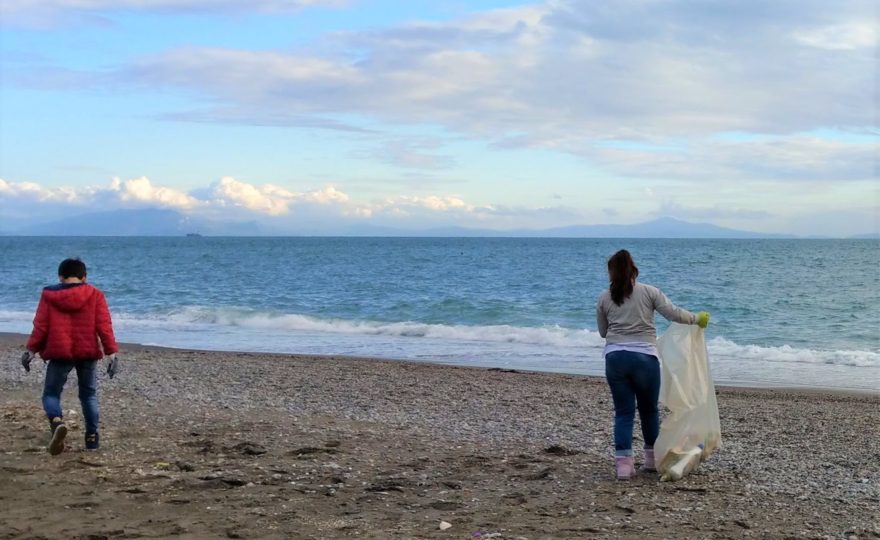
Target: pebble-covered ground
[(230, 445)]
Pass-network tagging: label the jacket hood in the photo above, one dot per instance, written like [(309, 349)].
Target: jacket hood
[(69, 297)]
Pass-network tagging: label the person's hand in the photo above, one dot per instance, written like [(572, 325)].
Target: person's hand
[(112, 366), (703, 319), (26, 358)]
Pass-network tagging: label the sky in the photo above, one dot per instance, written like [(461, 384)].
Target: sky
[(319, 114)]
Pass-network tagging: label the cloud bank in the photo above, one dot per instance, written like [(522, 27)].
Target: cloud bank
[(328, 208), (49, 13), (573, 76), (663, 96), (639, 89), (226, 195)]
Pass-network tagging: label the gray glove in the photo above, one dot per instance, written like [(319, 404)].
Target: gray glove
[(113, 366), (26, 358)]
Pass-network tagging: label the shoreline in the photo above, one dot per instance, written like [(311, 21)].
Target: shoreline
[(13, 338), (241, 445)]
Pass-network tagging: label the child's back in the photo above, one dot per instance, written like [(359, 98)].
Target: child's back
[(72, 330), (70, 319)]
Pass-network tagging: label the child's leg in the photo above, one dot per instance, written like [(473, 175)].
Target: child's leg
[(87, 377), (56, 376)]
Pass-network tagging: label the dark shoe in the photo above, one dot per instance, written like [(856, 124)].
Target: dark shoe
[(59, 432), (93, 441)]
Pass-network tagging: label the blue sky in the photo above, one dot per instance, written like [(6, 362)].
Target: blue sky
[(315, 113)]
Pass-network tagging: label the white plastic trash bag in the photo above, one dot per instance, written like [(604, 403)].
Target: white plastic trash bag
[(692, 430)]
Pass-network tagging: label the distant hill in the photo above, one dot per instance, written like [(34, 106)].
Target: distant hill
[(156, 222), (869, 236), (145, 222), (658, 228)]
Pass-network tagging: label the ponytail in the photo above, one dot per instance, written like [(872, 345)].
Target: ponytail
[(622, 272)]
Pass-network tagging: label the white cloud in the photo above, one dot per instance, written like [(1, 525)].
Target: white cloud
[(36, 192), (14, 7), (277, 207), (841, 37), (281, 210), (432, 202), (327, 195), (229, 193), (556, 75), (408, 206), (561, 75), (453, 210), (247, 75), (141, 190), (42, 13), (413, 153), (524, 71), (794, 158), (270, 199), (157, 5), (131, 193)]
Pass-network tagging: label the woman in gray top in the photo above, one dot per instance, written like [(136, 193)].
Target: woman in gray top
[(625, 317)]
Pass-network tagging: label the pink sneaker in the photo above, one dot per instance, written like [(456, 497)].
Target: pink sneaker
[(649, 465), (625, 467)]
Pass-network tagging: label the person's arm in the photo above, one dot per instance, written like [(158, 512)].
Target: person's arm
[(104, 326), (37, 342), (601, 319), (670, 311)]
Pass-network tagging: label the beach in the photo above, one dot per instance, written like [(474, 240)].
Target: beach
[(238, 445)]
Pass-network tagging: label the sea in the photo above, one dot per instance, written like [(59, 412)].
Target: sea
[(799, 313)]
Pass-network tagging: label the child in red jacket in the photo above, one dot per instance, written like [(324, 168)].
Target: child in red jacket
[(72, 330)]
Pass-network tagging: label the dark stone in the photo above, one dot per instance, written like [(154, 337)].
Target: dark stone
[(558, 450)]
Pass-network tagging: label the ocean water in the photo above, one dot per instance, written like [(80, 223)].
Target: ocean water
[(784, 312)]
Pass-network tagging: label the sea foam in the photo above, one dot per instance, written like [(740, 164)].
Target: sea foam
[(570, 340), (551, 336)]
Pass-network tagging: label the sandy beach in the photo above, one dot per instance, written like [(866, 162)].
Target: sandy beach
[(235, 445)]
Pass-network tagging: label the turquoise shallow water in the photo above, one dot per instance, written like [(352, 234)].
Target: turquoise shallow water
[(799, 312)]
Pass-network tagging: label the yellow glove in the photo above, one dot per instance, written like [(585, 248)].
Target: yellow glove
[(703, 319)]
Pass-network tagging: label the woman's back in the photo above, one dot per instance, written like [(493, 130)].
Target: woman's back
[(633, 320)]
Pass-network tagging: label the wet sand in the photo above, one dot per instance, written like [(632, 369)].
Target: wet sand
[(234, 445)]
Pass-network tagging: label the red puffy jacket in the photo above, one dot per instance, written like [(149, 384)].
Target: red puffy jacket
[(70, 320)]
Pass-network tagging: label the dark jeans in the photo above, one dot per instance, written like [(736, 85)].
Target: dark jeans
[(633, 377), (87, 379)]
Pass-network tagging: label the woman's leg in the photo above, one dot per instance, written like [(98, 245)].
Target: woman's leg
[(646, 382), (617, 371)]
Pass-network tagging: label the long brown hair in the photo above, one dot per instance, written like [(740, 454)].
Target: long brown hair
[(623, 272)]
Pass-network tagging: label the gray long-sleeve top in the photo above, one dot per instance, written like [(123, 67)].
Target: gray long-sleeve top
[(633, 320)]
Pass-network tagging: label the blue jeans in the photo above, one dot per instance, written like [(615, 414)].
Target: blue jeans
[(633, 377), (87, 379)]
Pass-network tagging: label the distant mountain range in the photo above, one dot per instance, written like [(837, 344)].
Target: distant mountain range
[(156, 222), (658, 228), (146, 222)]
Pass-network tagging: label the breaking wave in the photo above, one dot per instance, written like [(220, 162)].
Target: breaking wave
[(554, 337)]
